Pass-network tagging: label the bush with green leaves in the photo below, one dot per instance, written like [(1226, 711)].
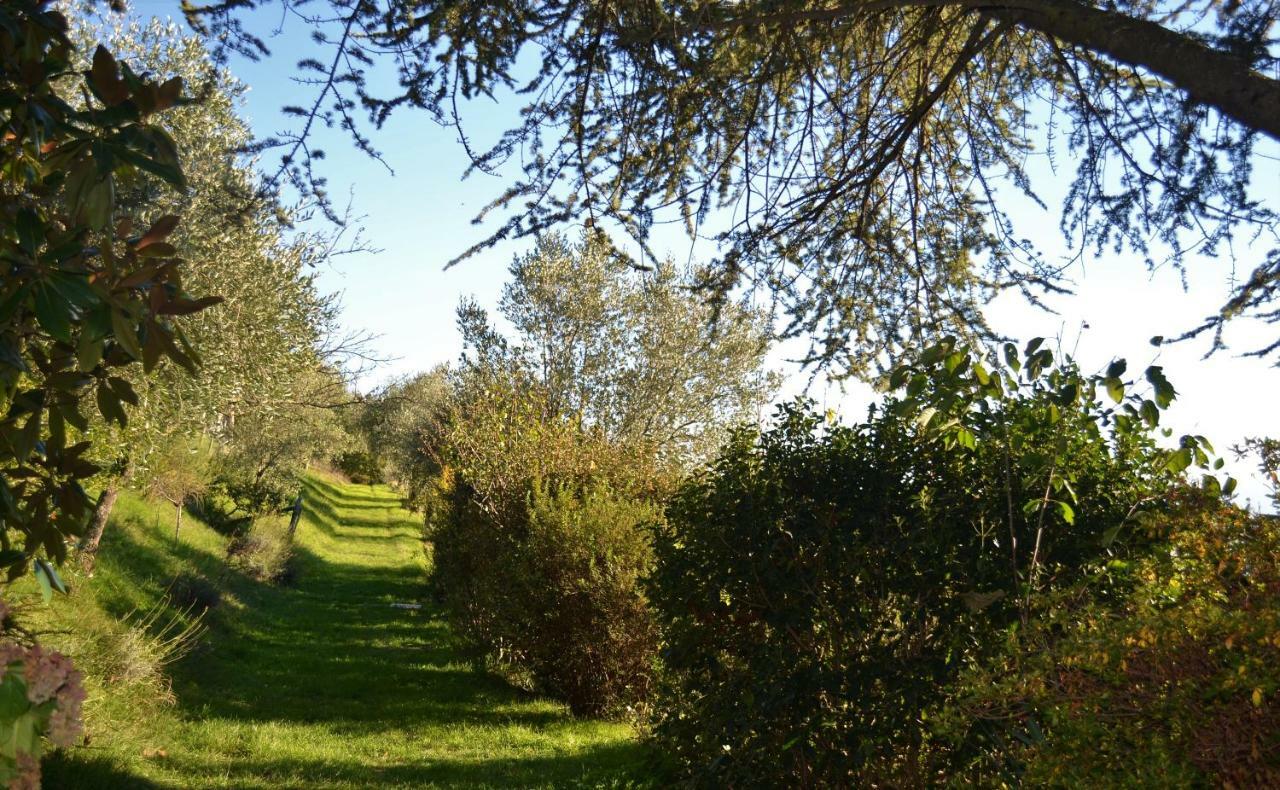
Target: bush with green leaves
[(1175, 682), (821, 587), (264, 552), (557, 600), (541, 548)]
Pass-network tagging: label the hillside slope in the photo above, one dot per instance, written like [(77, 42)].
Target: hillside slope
[(321, 684)]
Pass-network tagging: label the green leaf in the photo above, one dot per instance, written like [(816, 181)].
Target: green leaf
[(30, 231), (1067, 512), (44, 567), (1178, 461), (1165, 393), (53, 312), (88, 350), (1011, 356), (1150, 413), (980, 373), (42, 578), (1032, 345), (1117, 368), (126, 334), (1115, 388)]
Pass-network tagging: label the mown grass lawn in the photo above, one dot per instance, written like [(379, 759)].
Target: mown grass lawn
[(323, 684)]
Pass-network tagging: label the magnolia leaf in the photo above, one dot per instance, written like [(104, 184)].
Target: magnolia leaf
[(125, 333), (160, 230), (104, 78), (53, 312)]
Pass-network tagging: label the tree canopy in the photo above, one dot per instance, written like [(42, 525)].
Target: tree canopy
[(858, 159), (632, 357)]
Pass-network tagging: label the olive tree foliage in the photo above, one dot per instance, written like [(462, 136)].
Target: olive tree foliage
[(267, 450), (858, 158), (405, 425), (88, 293), (636, 358), (257, 343)]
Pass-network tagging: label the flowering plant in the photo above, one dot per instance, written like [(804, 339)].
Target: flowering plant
[(41, 694)]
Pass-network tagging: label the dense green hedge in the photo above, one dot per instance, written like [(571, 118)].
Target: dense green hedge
[(822, 588)]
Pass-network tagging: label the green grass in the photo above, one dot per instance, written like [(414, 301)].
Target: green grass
[(322, 684)]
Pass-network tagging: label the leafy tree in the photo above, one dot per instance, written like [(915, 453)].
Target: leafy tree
[(856, 158), (183, 470), (86, 294), (264, 335), (267, 450), (821, 587), (405, 425), (632, 356)]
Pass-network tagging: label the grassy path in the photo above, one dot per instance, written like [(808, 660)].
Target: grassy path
[(326, 685)]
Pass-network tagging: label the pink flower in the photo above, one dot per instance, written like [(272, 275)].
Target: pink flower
[(65, 725), (45, 674), (28, 777), (9, 653)]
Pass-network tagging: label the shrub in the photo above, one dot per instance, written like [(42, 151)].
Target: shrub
[(264, 553), (1174, 684), (594, 642), (559, 606), (539, 558), (359, 467), (821, 587), (193, 593)]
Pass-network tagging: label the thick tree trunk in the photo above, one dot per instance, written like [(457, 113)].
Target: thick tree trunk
[(1209, 76), (98, 522)]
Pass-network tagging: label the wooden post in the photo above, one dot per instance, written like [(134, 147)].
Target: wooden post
[(296, 517)]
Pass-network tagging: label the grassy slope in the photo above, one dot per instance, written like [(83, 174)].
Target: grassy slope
[(324, 684)]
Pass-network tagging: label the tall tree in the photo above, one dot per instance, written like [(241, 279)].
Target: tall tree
[(634, 357), (864, 152), (258, 346)]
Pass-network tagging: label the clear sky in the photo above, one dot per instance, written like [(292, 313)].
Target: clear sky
[(420, 217)]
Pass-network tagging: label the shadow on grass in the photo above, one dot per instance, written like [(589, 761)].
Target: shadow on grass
[(600, 767), (81, 769), (334, 659)]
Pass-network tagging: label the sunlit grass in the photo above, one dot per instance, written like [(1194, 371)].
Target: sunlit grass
[(323, 684)]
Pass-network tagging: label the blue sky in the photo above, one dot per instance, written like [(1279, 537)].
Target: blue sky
[(420, 217)]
